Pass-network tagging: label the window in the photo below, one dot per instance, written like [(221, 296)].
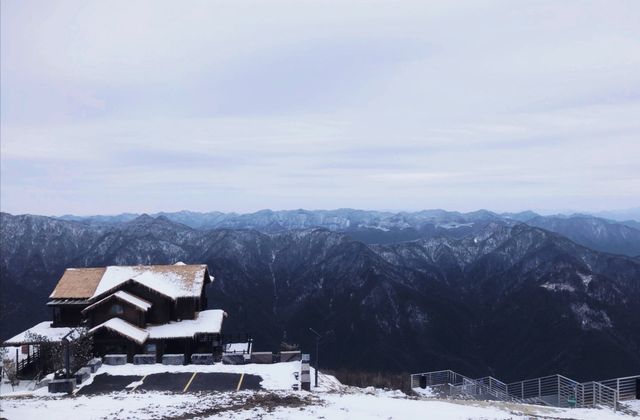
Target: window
[(150, 349), (116, 309)]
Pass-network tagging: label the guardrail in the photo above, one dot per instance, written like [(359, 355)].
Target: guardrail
[(627, 387), (595, 394), (451, 383), (554, 390)]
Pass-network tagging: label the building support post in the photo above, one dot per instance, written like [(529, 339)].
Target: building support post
[(318, 337)]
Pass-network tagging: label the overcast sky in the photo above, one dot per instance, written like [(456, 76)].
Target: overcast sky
[(136, 106)]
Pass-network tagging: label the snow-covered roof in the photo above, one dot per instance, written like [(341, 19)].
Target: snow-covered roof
[(126, 297), (206, 322), (174, 281), (43, 329), (124, 328)]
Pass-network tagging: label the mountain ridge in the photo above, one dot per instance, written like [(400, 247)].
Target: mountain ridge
[(416, 302)]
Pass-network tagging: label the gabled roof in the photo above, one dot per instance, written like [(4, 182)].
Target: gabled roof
[(78, 283), (124, 297), (174, 281), (122, 327)]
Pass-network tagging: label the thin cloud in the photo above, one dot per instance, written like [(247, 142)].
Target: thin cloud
[(110, 107)]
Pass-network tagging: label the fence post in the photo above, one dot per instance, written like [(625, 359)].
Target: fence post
[(539, 388)]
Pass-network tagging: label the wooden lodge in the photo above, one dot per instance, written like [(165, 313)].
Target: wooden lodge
[(156, 309)]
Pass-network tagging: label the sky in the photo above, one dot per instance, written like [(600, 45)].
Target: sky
[(145, 106)]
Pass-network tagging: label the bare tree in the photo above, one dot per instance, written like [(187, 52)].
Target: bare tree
[(9, 370), (52, 353)]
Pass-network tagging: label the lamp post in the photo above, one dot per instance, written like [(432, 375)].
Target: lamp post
[(318, 337)]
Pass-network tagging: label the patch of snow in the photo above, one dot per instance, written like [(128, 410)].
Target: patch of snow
[(586, 278), (135, 384), (591, 319), (179, 263), (426, 392), (555, 287)]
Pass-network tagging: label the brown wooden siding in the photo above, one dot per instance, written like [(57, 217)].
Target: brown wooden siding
[(67, 315), (186, 308), (116, 308)]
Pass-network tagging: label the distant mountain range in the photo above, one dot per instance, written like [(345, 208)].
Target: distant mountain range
[(387, 227), (514, 295)]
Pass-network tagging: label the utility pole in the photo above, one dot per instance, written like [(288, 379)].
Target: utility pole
[(318, 337)]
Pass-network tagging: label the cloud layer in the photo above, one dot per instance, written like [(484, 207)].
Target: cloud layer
[(146, 106)]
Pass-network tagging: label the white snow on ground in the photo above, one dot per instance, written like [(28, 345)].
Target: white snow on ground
[(209, 321), (330, 401), (330, 406), (633, 404), (426, 392)]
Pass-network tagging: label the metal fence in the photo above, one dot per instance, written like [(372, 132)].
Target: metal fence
[(627, 387), (450, 383), (554, 390), (560, 391), (595, 394)]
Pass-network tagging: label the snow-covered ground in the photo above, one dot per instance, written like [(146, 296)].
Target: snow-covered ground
[(331, 401)]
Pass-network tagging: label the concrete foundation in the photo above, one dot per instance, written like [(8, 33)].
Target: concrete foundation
[(290, 356), (202, 359), (173, 359), (233, 359), (62, 385), (115, 359), (94, 364), (82, 375), (144, 359), (262, 357)]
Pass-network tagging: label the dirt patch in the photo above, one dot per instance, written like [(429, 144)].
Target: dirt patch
[(237, 402)]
